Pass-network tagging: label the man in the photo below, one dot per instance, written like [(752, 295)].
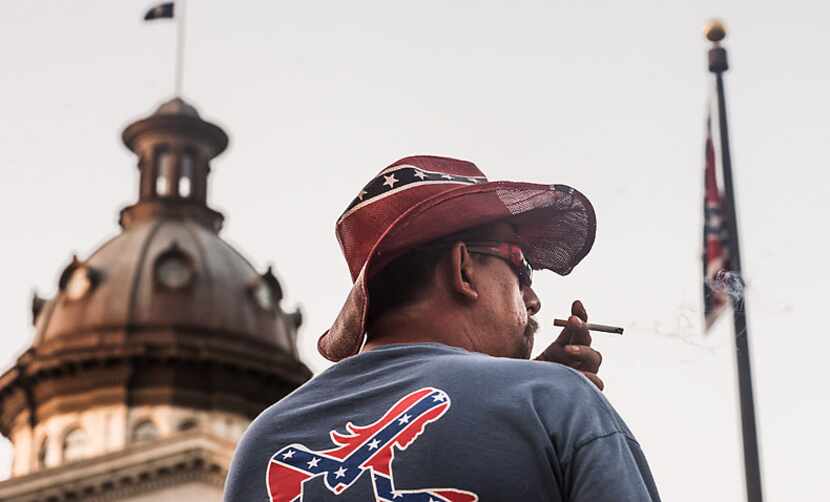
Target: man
[(432, 398)]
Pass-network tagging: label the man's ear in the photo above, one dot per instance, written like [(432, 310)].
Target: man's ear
[(462, 272)]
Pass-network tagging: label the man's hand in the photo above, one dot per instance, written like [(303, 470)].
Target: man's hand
[(573, 347)]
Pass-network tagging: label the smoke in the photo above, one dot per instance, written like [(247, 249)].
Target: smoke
[(729, 283)]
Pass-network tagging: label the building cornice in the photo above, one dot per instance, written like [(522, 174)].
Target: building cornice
[(72, 374), (188, 457)]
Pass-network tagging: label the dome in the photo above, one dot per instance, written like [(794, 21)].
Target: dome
[(165, 275)]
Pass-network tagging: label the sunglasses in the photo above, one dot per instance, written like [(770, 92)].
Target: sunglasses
[(511, 253)]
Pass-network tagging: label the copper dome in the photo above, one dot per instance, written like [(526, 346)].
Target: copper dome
[(166, 312), (220, 292)]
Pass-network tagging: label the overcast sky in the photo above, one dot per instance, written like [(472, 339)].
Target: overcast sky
[(608, 97)]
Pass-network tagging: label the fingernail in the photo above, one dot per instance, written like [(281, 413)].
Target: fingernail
[(572, 348)]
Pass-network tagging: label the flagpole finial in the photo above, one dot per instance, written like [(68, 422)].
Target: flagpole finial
[(715, 30)]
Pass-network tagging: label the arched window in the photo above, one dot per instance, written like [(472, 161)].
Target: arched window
[(74, 445), (145, 431), (186, 176), (164, 181), (187, 424), (43, 453)]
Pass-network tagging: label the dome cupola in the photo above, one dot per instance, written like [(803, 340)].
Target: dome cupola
[(174, 148)]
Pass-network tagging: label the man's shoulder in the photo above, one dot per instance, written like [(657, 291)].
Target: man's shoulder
[(516, 376), (521, 369), (439, 359), (371, 375)]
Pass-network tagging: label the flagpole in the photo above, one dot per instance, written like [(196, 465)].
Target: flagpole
[(718, 64), (179, 15)]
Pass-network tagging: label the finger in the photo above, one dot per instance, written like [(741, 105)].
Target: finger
[(555, 353), (586, 358), (579, 334), (574, 333), (578, 310), (594, 379)]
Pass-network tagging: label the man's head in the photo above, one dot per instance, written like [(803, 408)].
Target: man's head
[(470, 290), (431, 237)]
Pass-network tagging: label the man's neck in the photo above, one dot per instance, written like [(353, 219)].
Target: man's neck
[(418, 324)]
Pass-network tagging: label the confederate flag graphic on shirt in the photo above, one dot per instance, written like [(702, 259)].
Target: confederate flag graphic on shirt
[(365, 448)]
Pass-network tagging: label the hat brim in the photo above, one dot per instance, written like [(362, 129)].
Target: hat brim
[(556, 223)]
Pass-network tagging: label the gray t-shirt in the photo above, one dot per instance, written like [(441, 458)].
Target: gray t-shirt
[(428, 422)]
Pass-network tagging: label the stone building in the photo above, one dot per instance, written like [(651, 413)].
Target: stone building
[(156, 351)]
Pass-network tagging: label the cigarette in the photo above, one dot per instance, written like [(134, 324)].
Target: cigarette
[(592, 327)]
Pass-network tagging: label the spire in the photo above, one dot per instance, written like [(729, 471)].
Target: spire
[(174, 148)]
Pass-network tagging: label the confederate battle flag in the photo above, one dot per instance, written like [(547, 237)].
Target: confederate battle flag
[(715, 236)]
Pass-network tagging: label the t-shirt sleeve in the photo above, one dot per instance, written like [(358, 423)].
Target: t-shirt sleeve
[(611, 468), (245, 481), (598, 457)]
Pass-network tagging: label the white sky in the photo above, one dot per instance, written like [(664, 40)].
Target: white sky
[(605, 96)]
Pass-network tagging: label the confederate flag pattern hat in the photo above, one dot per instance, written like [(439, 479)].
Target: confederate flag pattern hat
[(419, 199)]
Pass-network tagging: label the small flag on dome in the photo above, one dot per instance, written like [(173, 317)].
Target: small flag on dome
[(160, 11)]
